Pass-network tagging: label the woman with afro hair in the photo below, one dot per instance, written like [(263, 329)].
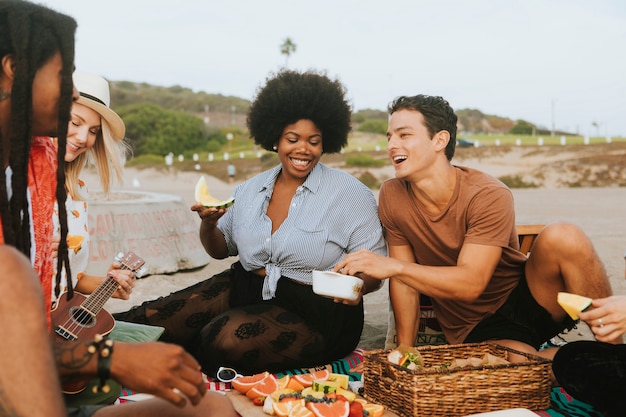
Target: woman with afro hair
[(300, 216)]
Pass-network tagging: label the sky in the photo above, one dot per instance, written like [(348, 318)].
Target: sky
[(557, 63)]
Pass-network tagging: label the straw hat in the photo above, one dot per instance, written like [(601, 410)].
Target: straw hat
[(94, 93)]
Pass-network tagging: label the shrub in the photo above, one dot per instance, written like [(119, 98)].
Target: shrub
[(269, 159), (213, 145), (364, 160), (369, 180), (146, 160), (373, 126), (516, 181)]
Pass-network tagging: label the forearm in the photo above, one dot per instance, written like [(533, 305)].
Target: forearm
[(370, 284), (27, 361), (445, 282), (213, 239), (406, 310), (74, 360), (88, 283)]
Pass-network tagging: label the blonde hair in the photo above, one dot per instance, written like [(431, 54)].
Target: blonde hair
[(107, 154)]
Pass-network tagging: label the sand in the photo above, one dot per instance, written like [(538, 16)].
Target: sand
[(598, 211)]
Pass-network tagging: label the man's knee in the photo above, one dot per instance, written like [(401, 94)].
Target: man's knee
[(562, 239)]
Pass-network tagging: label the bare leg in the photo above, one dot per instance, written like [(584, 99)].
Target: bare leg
[(27, 363), (213, 404), (564, 259)]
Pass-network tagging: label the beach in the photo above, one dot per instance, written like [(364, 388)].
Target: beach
[(599, 211)]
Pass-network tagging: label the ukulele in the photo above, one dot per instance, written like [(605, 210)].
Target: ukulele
[(83, 317)]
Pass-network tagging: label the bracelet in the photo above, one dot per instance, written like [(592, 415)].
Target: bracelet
[(104, 347)]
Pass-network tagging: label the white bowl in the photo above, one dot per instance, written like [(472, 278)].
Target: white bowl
[(335, 285)]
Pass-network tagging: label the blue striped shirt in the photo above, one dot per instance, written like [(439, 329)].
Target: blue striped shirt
[(331, 214)]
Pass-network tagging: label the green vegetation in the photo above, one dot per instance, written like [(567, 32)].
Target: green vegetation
[(156, 130), (516, 181), (163, 120), (364, 160), (373, 126), (370, 180)]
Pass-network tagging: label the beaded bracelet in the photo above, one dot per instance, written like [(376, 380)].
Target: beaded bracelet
[(104, 347)]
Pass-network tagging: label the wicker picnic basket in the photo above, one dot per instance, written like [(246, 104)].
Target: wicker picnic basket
[(437, 391)]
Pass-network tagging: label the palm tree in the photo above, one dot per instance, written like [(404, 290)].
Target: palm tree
[(287, 48), (597, 126)]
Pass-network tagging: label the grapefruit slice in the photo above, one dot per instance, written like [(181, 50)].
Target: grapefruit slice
[(205, 198), (263, 388), (337, 408), (307, 379), (573, 303)]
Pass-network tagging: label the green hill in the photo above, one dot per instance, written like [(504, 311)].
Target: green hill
[(224, 111)]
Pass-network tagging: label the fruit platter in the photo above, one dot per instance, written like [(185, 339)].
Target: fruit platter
[(316, 394)]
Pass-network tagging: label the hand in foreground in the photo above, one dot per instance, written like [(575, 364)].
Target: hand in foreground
[(210, 214), (350, 302), (161, 369), (126, 280), (365, 262), (607, 318)]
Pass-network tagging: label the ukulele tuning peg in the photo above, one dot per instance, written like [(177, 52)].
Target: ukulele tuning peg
[(140, 272), (119, 256)]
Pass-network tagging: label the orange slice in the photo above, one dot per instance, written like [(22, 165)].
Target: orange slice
[(282, 409), (244, 383), (284, 381), (374, 410), (301, 412), (295, 385), (307, 379), (263, 388)]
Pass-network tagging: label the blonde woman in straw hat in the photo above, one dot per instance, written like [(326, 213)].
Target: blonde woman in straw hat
[(95, 133)]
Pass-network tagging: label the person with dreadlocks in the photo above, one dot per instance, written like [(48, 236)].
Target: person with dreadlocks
[(301, 215), (31, 85), (36, 94)]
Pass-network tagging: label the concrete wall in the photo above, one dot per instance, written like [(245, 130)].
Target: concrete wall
[(160, 228)]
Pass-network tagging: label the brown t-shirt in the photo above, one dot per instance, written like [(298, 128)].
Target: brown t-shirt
[(480, 211)]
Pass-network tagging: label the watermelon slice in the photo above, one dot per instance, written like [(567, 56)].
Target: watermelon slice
[(573, 304)]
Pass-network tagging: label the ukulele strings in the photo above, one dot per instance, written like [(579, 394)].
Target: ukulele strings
[(74, 323)]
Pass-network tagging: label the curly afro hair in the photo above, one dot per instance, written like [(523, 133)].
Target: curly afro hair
[(290, 96)]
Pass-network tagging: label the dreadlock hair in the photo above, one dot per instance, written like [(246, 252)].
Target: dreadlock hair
[(33, 34), (290, 96)]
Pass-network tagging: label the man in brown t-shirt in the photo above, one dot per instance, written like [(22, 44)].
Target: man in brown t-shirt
[(451, 235)]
